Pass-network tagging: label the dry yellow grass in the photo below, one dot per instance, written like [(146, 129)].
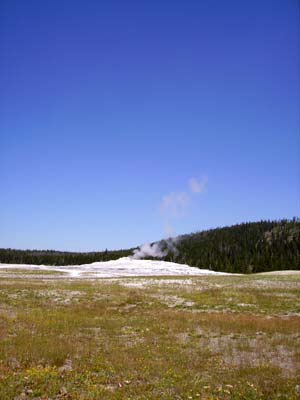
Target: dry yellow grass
[(150, 338)]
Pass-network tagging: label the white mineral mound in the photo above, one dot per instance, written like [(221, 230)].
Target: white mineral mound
[(125, 266)]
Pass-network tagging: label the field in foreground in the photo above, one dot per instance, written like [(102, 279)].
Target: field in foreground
[(208, 337)]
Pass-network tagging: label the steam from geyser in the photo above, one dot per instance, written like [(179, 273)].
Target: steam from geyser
[(157, 249), (173, 206)]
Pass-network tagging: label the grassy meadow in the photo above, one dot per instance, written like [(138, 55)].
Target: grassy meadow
[(213, 337)]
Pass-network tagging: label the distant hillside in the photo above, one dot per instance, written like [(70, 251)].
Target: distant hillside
[(245, 248), (52, 257)]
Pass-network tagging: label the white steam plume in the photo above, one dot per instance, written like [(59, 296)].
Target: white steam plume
[(149, 250), (173, 206), (157, 250), (197, 186)]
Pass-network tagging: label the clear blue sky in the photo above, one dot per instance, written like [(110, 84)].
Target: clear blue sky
[(108, 106)]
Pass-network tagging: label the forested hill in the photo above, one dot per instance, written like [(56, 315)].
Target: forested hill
[(52, 257), (245, 248)]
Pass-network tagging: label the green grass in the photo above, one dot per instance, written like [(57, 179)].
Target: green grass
[(211, 338)]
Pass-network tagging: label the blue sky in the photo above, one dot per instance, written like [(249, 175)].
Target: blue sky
[(107, 109)]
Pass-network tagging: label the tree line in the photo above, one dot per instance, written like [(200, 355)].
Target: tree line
[(53, 257), (244, 248)]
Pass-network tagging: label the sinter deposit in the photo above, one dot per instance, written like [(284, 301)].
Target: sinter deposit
[(125, 266)]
